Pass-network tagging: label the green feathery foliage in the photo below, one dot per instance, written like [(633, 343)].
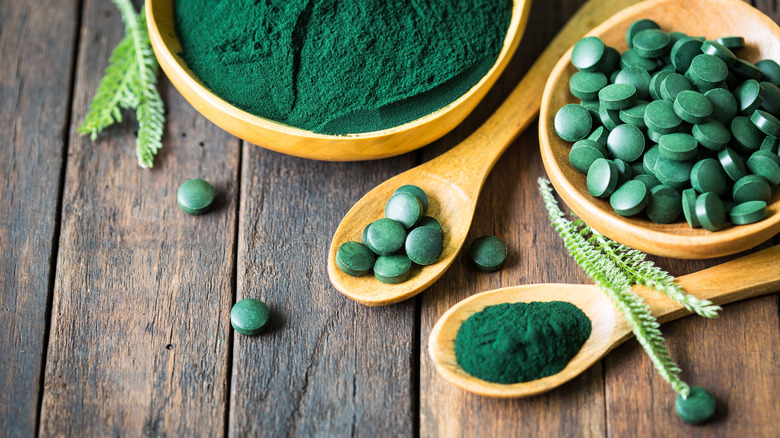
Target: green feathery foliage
[(609, 273), (647, 274), (113, 94), (130, 82)]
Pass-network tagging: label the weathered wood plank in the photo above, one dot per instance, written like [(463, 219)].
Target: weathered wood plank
[(770, 7), (36, 60), (329, 366), (633, 404), (511, 208), (515, 213), (140, 313), (734, 356)]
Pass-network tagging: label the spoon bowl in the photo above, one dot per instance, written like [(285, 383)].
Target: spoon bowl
[(758, 276), (307, 144), (446, 202), (713, 19), (453, 180)]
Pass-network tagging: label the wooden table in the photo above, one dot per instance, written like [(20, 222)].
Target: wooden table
[(114, 303)]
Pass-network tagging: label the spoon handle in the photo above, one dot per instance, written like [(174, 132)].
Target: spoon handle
[(469, 163), (746, 277)]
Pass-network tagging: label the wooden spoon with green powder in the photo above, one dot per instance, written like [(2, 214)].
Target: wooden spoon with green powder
[(746, 277), (454, 180)]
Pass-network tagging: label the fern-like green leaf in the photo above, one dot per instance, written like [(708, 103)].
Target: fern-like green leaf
[(150, 112), (113, 93), (150, 129), (612, 277), (647, 274), (130, 82)]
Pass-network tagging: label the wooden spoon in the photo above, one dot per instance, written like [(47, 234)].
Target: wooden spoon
[(713, 19), (746, 277), (454, 179)]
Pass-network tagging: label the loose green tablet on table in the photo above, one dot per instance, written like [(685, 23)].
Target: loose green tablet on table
[(697, 408), (195, 196), (488, 253), (704, 143), (249, 316)]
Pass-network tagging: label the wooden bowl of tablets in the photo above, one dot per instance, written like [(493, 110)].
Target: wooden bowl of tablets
[(707, 22), (305, 143)]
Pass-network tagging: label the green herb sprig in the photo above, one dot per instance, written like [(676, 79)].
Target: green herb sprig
[(130, 82), (645, 273), (615, 268)]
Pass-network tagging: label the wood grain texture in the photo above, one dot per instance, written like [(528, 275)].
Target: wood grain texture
[(329, 366), (140, 342), (734, 356), (514, 212), (511, 208), (576, 408), (632, 400), (36, 59), (140, 325)]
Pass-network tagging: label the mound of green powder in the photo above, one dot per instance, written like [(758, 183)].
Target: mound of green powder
[(520, 342), (341, 66)]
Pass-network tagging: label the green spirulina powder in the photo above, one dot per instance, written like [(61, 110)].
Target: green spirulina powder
[(341, 66), (520, 342)]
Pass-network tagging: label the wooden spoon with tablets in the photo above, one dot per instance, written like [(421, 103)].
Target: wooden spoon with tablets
[(712, 19), (454, 180), (758, 274)]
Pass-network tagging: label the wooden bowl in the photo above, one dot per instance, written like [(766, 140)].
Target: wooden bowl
[(307, 144), (693, 17)]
